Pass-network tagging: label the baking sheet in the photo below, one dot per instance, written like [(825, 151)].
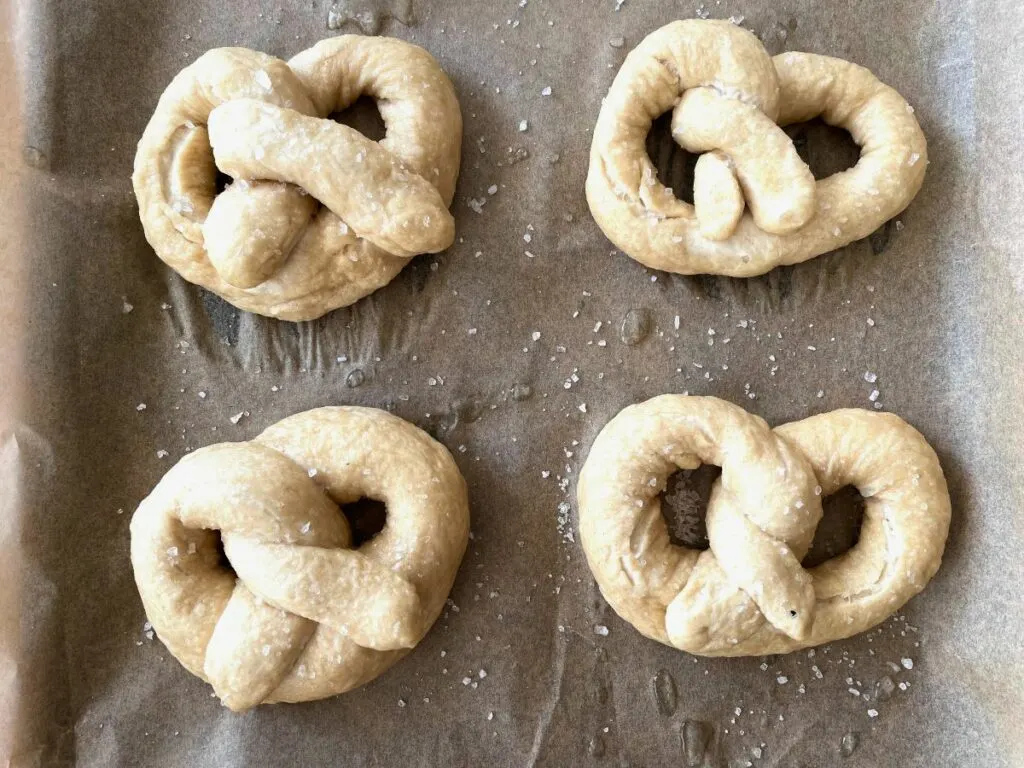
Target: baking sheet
[(528, 666)]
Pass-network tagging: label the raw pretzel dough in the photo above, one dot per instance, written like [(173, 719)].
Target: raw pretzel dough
[(728, 99), (264, 243), (748, 594), (304, 616)]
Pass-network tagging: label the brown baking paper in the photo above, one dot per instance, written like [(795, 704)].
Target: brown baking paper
[(509, 348)]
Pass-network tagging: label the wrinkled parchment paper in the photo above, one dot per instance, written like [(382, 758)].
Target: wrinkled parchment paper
[(509, 348)]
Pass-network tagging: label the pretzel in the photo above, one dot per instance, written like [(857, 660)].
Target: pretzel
[(303, 616), (748, 594), (265, 243), (728, 99)]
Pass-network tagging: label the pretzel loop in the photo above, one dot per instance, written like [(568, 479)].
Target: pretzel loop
[(748, 594)]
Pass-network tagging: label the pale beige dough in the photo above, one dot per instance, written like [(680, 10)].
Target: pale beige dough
[(318, 215), (303, 616), (727, 95), (748, 594)]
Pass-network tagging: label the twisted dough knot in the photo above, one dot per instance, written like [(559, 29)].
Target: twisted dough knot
[(749, 594), (266, 244), (728, 99), (303, 616)]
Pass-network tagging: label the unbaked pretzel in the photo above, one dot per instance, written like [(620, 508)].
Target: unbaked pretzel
[(303, 616), (748, 594), (262, 243), (728, 99)]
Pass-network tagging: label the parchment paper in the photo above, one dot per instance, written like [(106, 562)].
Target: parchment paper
[(528, 666)]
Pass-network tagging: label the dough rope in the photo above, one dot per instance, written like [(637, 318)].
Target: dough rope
[(264, 243), (304, 615), (748, 594), (728, 99)]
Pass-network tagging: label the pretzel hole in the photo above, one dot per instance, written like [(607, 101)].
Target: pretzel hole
[(839, 529), (364, 116), (684, 505), (222, 559), (366, 518), (221, 181), (827, 149), (673, 164)]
